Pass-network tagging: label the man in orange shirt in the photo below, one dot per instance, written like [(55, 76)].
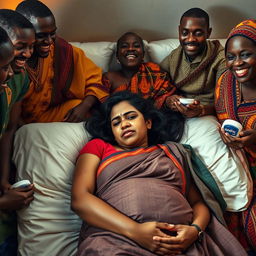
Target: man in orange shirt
[(65, 84)]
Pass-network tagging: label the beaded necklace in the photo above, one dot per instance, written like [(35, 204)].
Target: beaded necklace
[(35, 74)]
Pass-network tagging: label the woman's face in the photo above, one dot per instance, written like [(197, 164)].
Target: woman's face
[(130, 51), (241, 59), (129, 127)]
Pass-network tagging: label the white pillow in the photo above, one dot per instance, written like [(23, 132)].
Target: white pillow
[(99, 52), (45, 154), (228, 168), (158, 50)]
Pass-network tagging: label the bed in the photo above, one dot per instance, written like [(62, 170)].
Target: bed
[(45, 154)]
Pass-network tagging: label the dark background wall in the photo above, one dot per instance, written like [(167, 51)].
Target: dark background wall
[(106, 20)]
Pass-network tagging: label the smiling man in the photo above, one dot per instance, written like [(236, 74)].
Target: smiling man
[(195, 65), (19, 48), (22, 35), (65, 84)]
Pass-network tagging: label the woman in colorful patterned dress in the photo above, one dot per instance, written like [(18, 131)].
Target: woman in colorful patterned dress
[(235, 98)]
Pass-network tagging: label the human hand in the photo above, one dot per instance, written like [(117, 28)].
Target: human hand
[(228, 139), (77, 114), (186, 235), (144, 233), (191, 110), (247, 138), (17, 198), (172, 100)]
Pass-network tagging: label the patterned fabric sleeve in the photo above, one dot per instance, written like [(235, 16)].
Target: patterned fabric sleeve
[(19, 85), (25, 86), (154, 83)]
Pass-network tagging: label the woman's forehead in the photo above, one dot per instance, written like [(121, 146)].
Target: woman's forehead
[(122, 108)]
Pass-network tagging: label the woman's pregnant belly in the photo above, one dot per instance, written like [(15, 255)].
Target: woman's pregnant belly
[(149, 199)]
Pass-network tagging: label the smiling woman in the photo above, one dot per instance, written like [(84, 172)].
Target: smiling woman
[(236, 99), (241, 60), (146, 79)]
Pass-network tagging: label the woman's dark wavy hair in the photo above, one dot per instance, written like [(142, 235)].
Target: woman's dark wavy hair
[(99, 125)]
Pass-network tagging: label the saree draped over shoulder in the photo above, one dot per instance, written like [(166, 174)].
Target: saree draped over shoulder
[(229, 105), (149, 185), (60, 82), (149, 82)]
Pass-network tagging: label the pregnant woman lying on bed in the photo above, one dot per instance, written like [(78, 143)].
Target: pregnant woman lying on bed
[(135, 193)]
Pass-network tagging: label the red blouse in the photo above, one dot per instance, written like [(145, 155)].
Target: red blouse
[(99, 148)]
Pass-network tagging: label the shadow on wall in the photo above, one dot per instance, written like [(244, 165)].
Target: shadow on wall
[(106, 20), (88, 21), (224, 18)]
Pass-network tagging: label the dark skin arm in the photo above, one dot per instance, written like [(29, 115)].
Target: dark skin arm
[(81, 111), (15, 199), (100, 214), (196, 109), (116, 78)]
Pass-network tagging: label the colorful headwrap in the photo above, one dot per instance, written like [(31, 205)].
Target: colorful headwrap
[(246, 28)]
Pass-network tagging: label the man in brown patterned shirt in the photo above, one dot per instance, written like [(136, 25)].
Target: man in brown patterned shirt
[(195, 65)]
